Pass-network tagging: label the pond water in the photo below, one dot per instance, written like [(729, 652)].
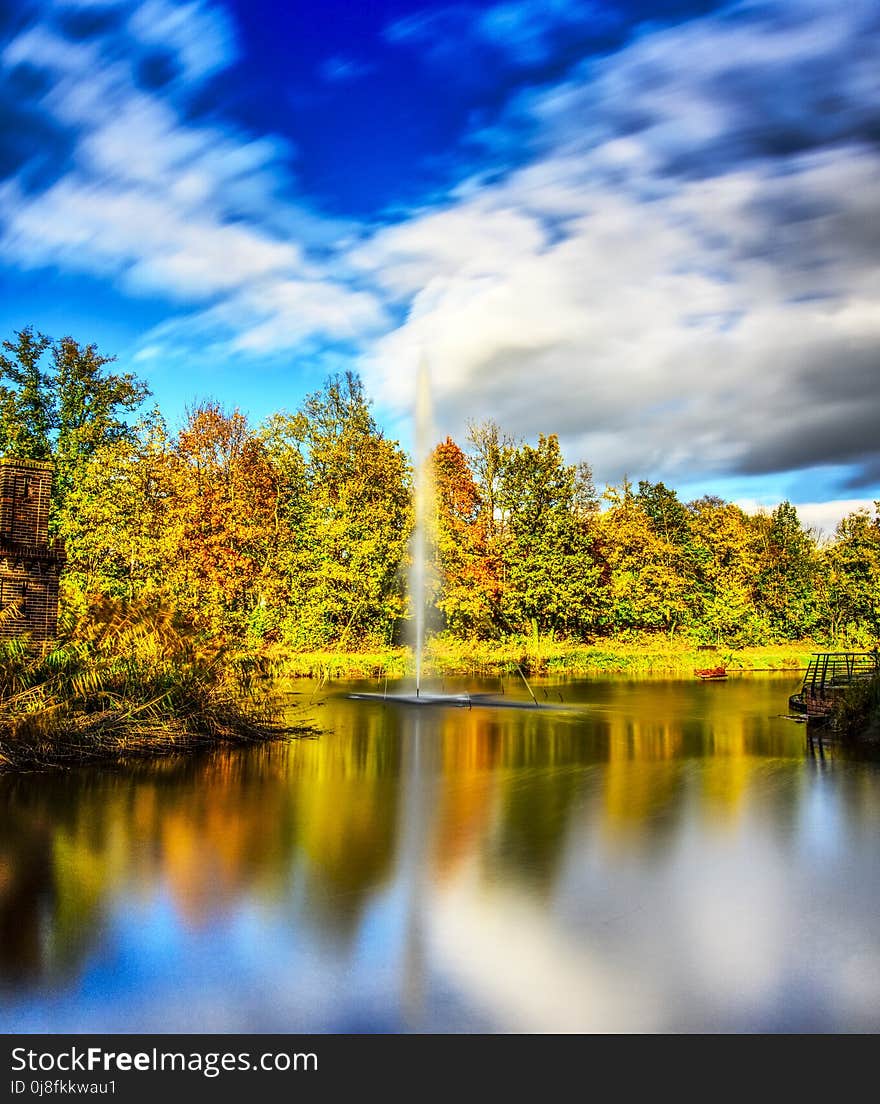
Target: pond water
[(652, 855)]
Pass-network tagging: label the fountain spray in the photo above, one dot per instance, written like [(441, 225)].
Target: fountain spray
[(423, 504), (424, 510)]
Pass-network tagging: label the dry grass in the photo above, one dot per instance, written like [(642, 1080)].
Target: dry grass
[(129, 680)]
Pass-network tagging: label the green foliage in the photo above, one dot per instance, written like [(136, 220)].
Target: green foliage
[(295, 533), (786, 588), (856, 714), (348, 525), (58, 402), (27, 405), (726, 562), (550, 579), (89, 404), (850, 582), (515, 537), (116, 520)]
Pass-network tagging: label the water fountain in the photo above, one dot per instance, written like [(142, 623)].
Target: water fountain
[(423, 493), (424, 501)]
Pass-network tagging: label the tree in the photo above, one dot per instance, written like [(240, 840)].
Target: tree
[(299, 529), (57, 402), (786, 583), (550, 578), (667, 515), (27, 401), (490, 454), (850, 580), (89, 402), (516, 535), (642, 592), (726, 565), (223, 487), (467, 569), (116, 525), (354, 521)]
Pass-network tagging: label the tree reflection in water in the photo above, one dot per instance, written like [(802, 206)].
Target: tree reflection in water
[(356, 874)]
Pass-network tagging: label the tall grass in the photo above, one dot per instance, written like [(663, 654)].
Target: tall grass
[(127, 679), (542, 655)]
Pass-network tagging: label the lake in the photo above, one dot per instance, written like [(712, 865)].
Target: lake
[(637, 855)]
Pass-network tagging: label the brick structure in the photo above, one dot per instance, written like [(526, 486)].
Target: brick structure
[(29, 564)]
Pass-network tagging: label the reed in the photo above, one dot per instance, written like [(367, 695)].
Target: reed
[(129, 680)]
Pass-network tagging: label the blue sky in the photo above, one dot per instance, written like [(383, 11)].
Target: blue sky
[(651, 228)]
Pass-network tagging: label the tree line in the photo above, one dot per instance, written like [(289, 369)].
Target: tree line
[(296, 530)]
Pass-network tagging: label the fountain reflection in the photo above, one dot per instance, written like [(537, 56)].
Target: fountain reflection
[(345, 874)]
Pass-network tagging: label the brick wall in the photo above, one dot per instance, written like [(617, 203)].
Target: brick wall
[(25, 488), (29, 565)]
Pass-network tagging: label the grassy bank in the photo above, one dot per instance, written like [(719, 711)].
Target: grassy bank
[(127, 682), (652, 655), (136, 681)]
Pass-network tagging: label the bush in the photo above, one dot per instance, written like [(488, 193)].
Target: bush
[(857, 714), (128, 679)]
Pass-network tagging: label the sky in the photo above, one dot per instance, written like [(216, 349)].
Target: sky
[(651, 228)]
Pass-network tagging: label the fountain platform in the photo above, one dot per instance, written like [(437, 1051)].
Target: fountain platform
[(455, 701)]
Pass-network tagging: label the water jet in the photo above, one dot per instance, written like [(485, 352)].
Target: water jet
[(423, 501)]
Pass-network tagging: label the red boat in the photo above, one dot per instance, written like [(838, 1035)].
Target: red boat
[(716, 673)]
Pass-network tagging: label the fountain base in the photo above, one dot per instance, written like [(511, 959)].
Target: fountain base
[(457, 701)]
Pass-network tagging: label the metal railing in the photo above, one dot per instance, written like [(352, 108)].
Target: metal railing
[(827, 675)]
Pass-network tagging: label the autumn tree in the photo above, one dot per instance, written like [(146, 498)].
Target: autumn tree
[(468, 566), (116, 525), (353, 521), (629, 548), (298, 530), (223, 507)]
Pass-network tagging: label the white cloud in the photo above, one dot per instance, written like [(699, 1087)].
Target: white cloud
[(678, 276), (269, 317), (342, 70), (200, 36), (153, 243), (469, 240), (658, 284), (821, 516), (524, 33), (171, 207), (640, 335)]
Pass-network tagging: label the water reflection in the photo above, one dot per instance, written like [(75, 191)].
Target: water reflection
[(660, 855)]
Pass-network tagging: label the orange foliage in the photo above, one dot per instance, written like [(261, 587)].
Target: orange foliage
[(225, 496)]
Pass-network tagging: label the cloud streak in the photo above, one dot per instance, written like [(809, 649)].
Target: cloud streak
[(162, 204), (522, 33), (677, 271), (666, 252)]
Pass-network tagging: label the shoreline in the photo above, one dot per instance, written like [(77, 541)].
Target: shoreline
[(63, 735), (488, 658), (83, 741)]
